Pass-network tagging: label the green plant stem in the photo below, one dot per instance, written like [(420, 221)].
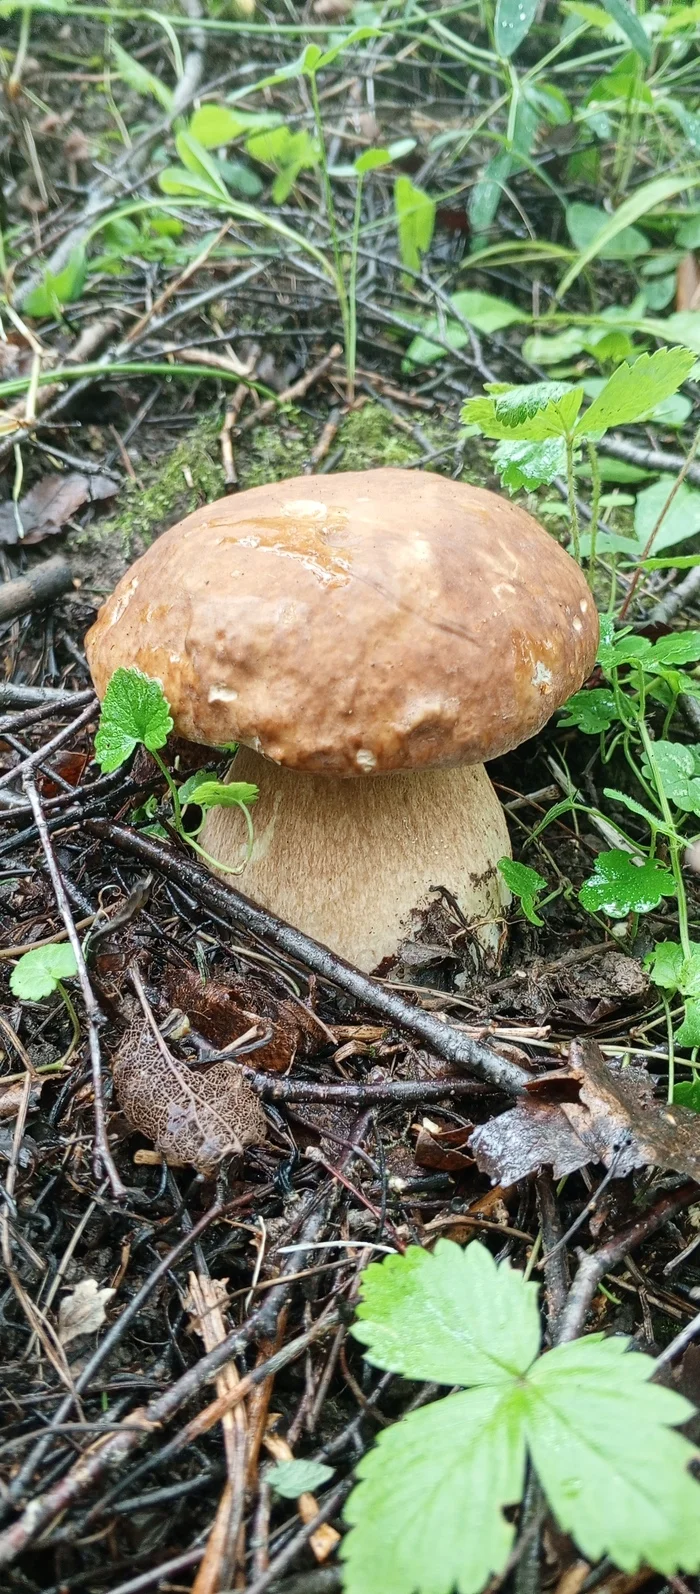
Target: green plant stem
[(330, 212), (174, 793), (675, 842), (671, 1047), (75, 373), (68, 1004), (351, 348), (571, 490), (595, 501)]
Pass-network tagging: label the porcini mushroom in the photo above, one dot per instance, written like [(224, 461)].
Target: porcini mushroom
[(369, 639)]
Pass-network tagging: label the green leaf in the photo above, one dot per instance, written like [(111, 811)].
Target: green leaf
[(592, 712), (63, 288), (626, 19), (526, 884), (644, 199), (289, 1479), (483, 311), (415, 216), (451, 1316), (687, 1094), (496, 417), (139, 79), (619, 886), (689, 1032), (677, 766), (215, 125), (681, 520), (688, 121), (594, 1421), (426, 1516), (512, 23), (530, 465), (586, 225), (135, 711), (372, 160), (178, 180), (653, 820), (38, 972), (634, 390), (665, 965), (212, 793), (520, 404), (198, 160), (485, 196), (542, 349)]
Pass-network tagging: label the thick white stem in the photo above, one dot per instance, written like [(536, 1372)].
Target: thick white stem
[(352, 862)]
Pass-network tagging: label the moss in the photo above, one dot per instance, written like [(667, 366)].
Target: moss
[(368, 437), (191, 474), (277, 449)]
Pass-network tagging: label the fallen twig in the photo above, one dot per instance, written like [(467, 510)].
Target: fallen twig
[(103, 1160), (240, 911), (296, 391), (39, 586)]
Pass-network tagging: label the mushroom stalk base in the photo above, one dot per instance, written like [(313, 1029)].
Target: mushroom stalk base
[(352, 862)]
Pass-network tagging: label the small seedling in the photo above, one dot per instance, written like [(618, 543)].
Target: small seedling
[(39, 973), (526, 884), (136, 712), (427, 1513)]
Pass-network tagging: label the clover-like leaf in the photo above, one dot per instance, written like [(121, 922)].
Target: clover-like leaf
[(38, 972), (526, 884), (135, 711), (619, 886), (289, 1479), (677, 767), (208, 792), (689, 1032), (591, 712)]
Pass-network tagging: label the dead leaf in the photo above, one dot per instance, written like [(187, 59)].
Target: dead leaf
[(50, 503), (193, 1116), (592, 1111), (443, 1146), (11, 1097), (83, 1312), (223, 1010)]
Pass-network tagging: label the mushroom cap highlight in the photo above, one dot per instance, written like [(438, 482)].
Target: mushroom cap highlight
[(355, 624)]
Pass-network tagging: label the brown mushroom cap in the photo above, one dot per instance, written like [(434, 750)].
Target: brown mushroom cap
[(355, 624)]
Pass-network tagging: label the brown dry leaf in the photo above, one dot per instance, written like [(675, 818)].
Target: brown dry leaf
[(50, 503), (592, 1111), (83, 1312), (11, 1097), (223, 1010), (443, 1146), (193, 1116), (593, 990)]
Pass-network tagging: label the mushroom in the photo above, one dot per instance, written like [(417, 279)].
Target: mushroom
[(369, 639)]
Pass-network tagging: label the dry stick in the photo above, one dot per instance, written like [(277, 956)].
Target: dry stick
[(16, 1489), (592, 1268), (677, 598), (648, 458), (296, 391), (241, 912), (40, 756), (102, 1155), (40, 585), (291, 1550), (554, 1264), (44, 697), (139, 1424), (43, 711), (391, 1091)]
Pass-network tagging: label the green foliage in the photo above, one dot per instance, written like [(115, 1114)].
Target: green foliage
[(483, 311), (427, 1514), (533, 413), (530, 465), (588, 226), (687, 1094), (139, 79), (214, 126), (678, 768), (525, 884), (288, 153), (65, 287), (135, 712), (38, 973), (289, 1479), (415, 219), (591, 712), (619, 885), (628, 20), (635, 390), (512, 23)]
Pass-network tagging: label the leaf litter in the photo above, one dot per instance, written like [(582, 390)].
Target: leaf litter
[(51, 502)]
